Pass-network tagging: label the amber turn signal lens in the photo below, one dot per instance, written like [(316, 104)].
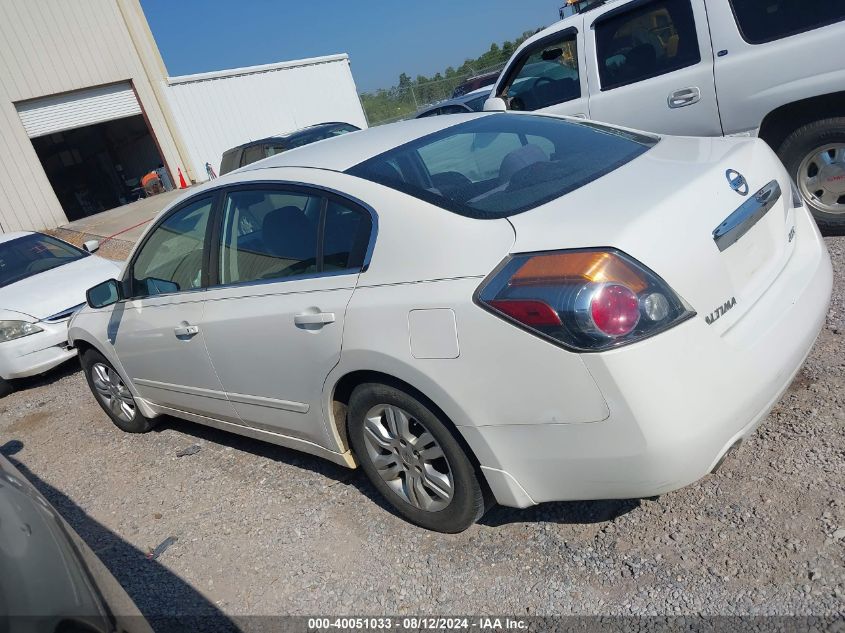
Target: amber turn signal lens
[(579, 266)]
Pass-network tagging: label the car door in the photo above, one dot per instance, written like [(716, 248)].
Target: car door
[(287, 261), (549, 76), (156, 331), (651, 68)]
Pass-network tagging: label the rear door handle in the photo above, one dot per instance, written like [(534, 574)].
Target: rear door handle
[(314, 318), (186, 330), (684, 97)]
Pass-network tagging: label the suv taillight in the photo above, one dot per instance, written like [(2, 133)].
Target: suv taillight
[(587, 300)]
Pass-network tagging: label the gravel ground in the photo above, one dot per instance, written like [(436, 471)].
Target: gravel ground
[(265, 530)]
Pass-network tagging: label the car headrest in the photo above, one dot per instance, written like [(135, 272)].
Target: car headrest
[(288, 233), (519, 159)]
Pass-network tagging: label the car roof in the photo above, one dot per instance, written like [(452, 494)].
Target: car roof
[(289, 135), (465, 98), (345, 151), (8, 237)]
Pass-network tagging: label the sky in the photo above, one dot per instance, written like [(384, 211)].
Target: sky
[(383, 38)]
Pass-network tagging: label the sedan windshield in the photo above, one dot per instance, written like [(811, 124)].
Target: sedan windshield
[(503, 164), (32, 254)]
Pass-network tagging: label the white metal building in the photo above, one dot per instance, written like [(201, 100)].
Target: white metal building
[(86, 108), (220, 110), (82, 109)]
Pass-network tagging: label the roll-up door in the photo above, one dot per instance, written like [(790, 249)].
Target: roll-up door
[(57, 113)]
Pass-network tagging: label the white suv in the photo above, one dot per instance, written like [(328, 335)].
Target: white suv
[(767, 68)]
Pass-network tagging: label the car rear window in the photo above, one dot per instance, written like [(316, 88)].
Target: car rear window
[(763, 21), (502, 164)]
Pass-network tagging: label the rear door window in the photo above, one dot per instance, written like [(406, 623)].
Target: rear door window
[(644, 42), (546, 74), (763, 21)]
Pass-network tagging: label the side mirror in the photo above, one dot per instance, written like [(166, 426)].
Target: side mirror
[(104, 294), (91, 245), (495, 104)]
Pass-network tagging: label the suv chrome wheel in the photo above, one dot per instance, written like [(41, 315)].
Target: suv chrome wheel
[(408, 458), (112, 392), (821, 178)]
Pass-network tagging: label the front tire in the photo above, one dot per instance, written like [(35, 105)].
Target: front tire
[(5, 387), (814, 155), (112, 394), (412, 458)]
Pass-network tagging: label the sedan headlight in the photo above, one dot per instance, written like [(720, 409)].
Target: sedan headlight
[(10, 330)]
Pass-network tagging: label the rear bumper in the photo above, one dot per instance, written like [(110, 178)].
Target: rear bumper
[(677, 402), (37, 353)]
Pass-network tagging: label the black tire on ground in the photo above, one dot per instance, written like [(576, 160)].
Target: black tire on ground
[(138, 423), (803, 142), (5, 387), (467, 504)]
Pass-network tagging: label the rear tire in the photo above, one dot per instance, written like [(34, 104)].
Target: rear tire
[(112, 394), (412, 458), (806, 152), (5, 387)]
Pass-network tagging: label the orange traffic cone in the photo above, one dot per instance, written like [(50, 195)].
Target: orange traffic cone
[(182, 183)]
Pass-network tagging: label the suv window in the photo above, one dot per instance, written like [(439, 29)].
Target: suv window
[(252, 154), (275, 234), (648, 41), (545, 74), (763, 21), (171, 258)]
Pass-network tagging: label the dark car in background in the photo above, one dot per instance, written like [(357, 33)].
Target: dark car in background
[(470, 102), (266, 147), (50, 580), (474, 83)]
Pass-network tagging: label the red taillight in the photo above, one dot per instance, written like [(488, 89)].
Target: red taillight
[(528, 312), (615, 310), (587, 299)]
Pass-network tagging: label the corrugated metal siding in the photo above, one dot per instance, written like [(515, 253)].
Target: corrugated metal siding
[(58, 113), (56, 46), (219, 113)]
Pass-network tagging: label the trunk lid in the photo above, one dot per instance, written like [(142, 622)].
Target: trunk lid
[(663, 208)]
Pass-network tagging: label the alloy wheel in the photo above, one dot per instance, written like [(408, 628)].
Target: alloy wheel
[(408, 458), (821, 178), (112, 391)]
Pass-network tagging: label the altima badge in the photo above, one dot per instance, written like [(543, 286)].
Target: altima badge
[(720, 311), (737, 182)]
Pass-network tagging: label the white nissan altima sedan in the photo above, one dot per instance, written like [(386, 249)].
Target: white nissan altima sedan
[(504, 307)]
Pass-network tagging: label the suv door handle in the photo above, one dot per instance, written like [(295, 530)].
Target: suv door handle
[(684, 97), (186, 330), (314, 318)]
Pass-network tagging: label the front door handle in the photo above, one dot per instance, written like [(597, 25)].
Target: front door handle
[(684, 97), (186, 330), (314, 318)]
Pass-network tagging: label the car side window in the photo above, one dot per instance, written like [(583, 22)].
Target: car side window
[(275, 234), (647, 41), (763, 21), (453, 109), (545, 74), (171, 258), (268, 234), (345, 238), (252, 154)]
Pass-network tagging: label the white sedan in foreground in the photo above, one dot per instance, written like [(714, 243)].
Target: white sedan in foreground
[(42, 283), (505, 307)]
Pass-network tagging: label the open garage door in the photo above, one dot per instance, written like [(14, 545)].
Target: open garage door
[(95, 146), (67, 111)]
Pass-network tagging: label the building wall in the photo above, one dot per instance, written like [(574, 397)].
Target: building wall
[(54, 46), (220, 110)]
